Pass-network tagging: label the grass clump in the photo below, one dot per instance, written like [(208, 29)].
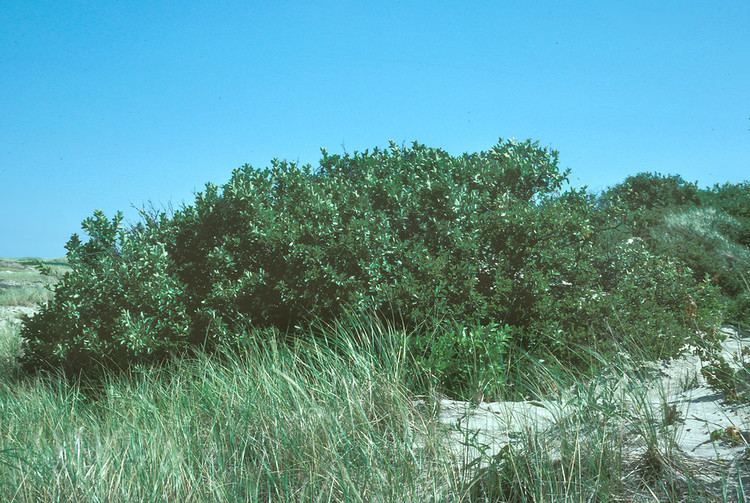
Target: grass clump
[(333, 417), (27, 296), (610, 438), (268, 422), (10, 348)]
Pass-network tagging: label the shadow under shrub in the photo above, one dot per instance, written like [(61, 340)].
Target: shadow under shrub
[(413, 234)]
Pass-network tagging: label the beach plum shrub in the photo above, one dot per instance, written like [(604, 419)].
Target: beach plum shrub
[(495, 241)]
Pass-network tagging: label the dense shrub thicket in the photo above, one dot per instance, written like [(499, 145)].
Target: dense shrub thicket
[(472, 254), (708, 230)]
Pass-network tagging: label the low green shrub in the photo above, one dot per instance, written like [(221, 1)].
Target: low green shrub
[(468, 360), (707, 230), (703, 239), (641, 200), (492, 241), (119, 304)]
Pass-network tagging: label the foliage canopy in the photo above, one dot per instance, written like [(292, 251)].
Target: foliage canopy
[(473, 254)]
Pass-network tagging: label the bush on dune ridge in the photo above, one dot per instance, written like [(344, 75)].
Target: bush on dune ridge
[(473, 254), (707, 230)]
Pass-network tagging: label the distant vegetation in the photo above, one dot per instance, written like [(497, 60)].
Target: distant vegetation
[(483, 258), (707, 230), (22, 285)]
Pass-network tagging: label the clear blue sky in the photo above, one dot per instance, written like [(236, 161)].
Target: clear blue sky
[(109, 105)]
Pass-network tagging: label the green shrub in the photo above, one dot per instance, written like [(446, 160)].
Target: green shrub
[(702, 238), (413, 234), (410, 232), (642, 199), (658, 303), (119, 304), (468, 360), (707, 230)]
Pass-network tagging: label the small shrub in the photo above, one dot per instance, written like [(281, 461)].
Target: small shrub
[(702, 239), (734, 200), (642, 199), (119, 303), (468, 360)]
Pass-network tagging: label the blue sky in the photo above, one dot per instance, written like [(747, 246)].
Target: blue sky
[(109, 105)]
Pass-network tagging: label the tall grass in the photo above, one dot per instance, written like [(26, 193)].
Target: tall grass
[(10, 348), (22, 284), (330, 418), (613, 437), (270, 422)]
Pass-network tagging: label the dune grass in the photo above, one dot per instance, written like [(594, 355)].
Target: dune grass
[(333, 418), (330, 418), (22, 284), (613, 437), (10, 348), (27, 296), (267, 423)]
